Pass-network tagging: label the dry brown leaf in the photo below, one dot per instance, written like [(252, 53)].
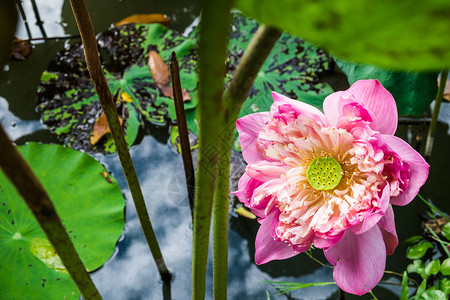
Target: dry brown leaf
[(100, 129), (159, 69), (106, 176), (144, 18), (436, 224), (161, 75), (20, 49)]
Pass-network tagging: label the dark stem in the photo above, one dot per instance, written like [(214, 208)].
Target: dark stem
[(183, 131), (101, 87), (53, 38), (434, 118), (37, 199), (38, 18), (24, 17), (254, 56)]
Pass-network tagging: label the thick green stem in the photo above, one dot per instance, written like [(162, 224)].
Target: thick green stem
[(437, 108), (37, 199), (246, 72), (101, 87), (214, 29)]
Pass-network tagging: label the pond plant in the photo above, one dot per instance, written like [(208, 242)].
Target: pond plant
[(346, 210)]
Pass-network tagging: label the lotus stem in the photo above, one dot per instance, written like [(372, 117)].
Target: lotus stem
[(37, 199), (214, 30), (183, 131), (101, 87), (24, 18), (434, 118), (38, 18), (254, 56)]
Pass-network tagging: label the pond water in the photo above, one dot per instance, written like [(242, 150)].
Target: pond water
[(131, 273)]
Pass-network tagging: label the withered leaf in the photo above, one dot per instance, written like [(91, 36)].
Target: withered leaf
[(161, 75), (144, 18), (20, 49), (100, 129), (125, 97), (106, 176)]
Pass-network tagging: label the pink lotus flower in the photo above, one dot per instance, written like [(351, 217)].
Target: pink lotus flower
[(329, 180)]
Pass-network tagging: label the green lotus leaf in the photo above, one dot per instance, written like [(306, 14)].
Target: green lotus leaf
[(399, 35), (91, 207), (292, 69), (67, 100), (413, 92), (419, 249)]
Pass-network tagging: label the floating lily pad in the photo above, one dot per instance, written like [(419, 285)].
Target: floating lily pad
[(67, 99), (91, 207)]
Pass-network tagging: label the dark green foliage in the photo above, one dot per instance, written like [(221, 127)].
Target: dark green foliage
[(413, 92)]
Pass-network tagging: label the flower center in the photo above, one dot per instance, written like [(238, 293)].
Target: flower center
[(324, 173)]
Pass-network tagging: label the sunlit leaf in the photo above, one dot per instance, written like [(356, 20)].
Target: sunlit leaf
[(433, 295), (419, 250), (413, 92), (422, 287), (286, 287), (413, 239), (408, 35), (243, 212), (446, 231), (432, 268), (445, 267), (444, 285), (144, 18), (404, 292), (91, 207), (418, 267)]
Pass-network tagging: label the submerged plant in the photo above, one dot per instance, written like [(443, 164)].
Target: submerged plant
[(329, 180)]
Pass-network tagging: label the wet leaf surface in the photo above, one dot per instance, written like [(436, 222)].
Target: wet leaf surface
[(90, 206)]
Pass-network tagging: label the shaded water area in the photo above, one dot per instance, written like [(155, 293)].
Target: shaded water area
[(131, 273)]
